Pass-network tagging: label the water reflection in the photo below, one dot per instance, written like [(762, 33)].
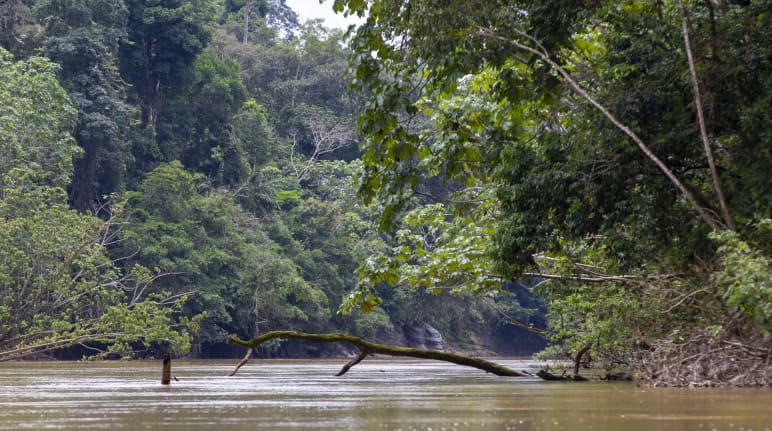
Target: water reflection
[(375, 395)]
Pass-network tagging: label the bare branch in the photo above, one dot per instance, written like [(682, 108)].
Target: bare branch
[(328, 135), (514, 322), (351, 363), (583, 278), (242, 362)]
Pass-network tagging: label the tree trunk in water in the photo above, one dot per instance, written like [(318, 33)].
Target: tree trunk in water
[(578, 360), (367, 348), (166, 374)]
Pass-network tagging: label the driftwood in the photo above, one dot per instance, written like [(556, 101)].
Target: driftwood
[(367, 348), (707, 360)]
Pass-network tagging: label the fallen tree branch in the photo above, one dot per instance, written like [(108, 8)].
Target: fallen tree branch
[(546, 375), (368, 348), (243, 361), (351, 363)]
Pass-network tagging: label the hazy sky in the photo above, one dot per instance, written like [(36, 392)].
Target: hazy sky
[(308, 9)]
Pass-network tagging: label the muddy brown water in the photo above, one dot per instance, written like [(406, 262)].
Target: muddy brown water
[(374, 395)]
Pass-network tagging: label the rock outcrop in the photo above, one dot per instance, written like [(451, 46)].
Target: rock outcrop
[(423, 336)]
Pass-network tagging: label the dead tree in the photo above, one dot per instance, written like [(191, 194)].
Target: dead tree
[(368, 348)]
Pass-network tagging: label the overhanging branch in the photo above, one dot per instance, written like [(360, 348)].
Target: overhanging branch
[(539, 51)]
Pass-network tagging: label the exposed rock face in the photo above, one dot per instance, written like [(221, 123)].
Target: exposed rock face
[(423, 336)]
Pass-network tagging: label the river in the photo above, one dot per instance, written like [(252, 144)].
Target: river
[(378, 394)]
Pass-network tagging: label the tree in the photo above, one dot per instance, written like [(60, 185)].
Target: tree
[(58, 287), (218, 254), (82, 37), (196, 128), (327, 136), (599, 158), (308, 70), (164, 38), (14, 16), (35, 133), (274, 13)]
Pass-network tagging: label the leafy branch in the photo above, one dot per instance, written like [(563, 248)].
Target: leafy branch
[(542, 53)]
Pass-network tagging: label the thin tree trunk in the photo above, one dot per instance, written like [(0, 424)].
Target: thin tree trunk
[(166, 374), (544, 55), (154, 107), (247, 9), (578, 359), (728, 221), (153, 95)]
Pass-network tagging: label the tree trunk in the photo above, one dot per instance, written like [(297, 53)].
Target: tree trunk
[(727, 217), (153, 90), (578, 359), (544, 55), (247, 9), (367, 348), (154, 106), (166, 374)]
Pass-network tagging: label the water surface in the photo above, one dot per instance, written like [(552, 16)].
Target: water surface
[(374, 395)]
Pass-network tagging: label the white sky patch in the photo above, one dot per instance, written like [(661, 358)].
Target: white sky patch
[(310, 9)]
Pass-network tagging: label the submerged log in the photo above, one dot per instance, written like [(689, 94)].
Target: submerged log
[(546, 375), (166, 374), (367, 348)]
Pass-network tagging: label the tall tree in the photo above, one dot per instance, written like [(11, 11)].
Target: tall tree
[(82, 37), (37, 119), (195, 127), (164, 38), (255, 13), (16, 21)]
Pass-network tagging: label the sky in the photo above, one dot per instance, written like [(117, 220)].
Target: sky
[(308, 9)]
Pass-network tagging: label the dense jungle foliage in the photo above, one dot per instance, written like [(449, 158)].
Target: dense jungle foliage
[(176, 171), (590, 174), (616, 153)]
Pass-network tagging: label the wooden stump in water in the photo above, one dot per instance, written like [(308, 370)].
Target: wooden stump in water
[(166, 374)]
